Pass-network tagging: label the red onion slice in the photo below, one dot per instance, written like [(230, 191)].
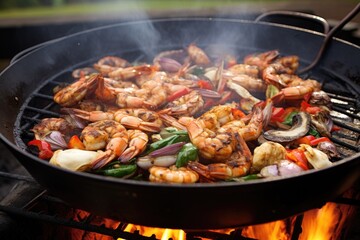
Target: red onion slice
[(208, 93), (169, 65), (56, 140), (167, 150)]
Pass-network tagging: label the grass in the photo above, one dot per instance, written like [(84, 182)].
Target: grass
[(118, 6)]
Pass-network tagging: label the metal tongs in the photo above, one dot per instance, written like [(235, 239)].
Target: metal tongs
[(328, 34)]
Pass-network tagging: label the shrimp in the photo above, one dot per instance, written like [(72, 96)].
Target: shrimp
[(94, 105), (132, 98), (107, 134), (197, 55), (305, 83), (77, 91), (261, 60), (240, 69), (151, 95), (140, 118), (282, 71), (110, 63), (186, 105), (213, 142), (137, 144), (253, 129), (131, 72), (172, 175), (169, 120), (238, 164), (250, 83), (48, 125), (292, 93), (275, 74)]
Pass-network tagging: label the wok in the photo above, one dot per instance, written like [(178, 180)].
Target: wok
[(197, 206)]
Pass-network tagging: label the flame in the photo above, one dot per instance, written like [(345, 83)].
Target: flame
[(160, 233), (324, 223), (277, 230)]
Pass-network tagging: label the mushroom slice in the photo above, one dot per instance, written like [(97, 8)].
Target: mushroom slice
[(299, 129)]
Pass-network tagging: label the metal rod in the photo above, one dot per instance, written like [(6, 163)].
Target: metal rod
[(73, 224), (328, 37)]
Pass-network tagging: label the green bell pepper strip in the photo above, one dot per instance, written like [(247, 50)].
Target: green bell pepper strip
[(120, 171), (187, 153), (167, 141), (289, 118)]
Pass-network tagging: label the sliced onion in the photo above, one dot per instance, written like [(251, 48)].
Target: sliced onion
[(56, 140), (208, 93), (169, 65), (147, 162), (167, 150)]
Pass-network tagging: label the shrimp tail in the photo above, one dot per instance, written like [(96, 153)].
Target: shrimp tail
[(103, 159)]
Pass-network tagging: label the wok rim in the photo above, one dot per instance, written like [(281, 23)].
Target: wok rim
[(114, 180)]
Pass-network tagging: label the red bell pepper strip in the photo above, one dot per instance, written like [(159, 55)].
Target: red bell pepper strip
[(335, 128), (205, 85), (316, 141), (298, 157), (44, 148), (306, 107), (277, 114), (75, 142), (305, 140), (178, 94)]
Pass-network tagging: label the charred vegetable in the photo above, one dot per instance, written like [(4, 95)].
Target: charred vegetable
[(299, 129)]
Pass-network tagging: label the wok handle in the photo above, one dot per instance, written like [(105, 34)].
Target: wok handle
[(329, 36), (307, 16)]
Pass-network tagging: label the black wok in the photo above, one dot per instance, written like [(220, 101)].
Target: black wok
[(197, 206)]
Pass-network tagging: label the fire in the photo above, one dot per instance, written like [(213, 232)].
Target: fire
[(160, 233), (325, 223), (277, 230)]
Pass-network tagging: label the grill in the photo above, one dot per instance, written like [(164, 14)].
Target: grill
[(345, 101), (39, 104)]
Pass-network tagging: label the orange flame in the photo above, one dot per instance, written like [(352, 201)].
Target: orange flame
[(326, 223)]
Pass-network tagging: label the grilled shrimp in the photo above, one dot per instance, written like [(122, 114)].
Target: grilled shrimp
[(122, 74), (172, 175), (110, 63), (197, 55), (207, 135), (250, 83), (236, 165), (137, 144), (138, 118), (77, 91), (261, 60), (48, 125), (292, 93), (107, 134), (240, 69), (186, 105), (253, 129), (281, 72)]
